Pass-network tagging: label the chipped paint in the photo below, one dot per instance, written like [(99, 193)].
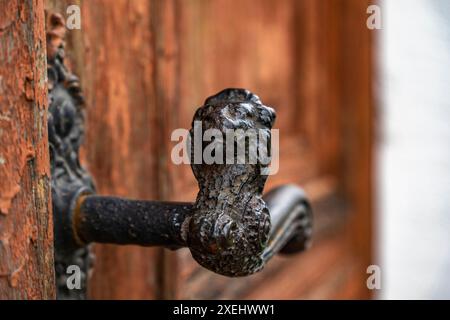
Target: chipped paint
[(26, 245), (13, 278)]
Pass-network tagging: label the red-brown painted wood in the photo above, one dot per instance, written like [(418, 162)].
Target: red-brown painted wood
[(26, 226)]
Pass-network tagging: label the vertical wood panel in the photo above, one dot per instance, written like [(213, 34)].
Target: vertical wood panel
[(164, 17), (358, 114), (118, 77), (113, 54), (317, 35), (26, 226)]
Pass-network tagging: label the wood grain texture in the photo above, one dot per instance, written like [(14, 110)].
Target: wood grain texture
[(358, 130), (117, 73), (147, 65), (114, 56), (26, 226)]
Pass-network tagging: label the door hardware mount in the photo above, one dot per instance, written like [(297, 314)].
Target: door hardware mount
[(231, 228)]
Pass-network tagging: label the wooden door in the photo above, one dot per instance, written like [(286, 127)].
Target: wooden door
[(145, 66), (26, 226)]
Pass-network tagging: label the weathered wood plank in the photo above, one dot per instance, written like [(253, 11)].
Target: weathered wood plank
[(26, 226)]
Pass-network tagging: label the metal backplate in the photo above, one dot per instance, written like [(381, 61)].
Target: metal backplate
[(69, 179)]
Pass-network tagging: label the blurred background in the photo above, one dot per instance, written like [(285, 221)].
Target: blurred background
[(413, 149)]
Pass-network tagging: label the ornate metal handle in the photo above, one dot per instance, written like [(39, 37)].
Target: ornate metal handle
[(222, 247), (230, 229)]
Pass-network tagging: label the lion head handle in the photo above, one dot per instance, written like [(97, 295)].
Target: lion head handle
[(229, 227)]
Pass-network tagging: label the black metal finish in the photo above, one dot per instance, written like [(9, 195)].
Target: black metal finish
[(230, 229), (115, 220), (291, 218), (69, 179), (122, 221)]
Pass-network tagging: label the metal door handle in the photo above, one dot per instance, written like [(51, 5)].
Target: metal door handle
[(230, 229)]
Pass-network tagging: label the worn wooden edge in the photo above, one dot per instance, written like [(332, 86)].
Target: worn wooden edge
[(26, 226)]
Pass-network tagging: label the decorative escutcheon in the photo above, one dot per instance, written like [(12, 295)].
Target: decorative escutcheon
[(230, 229)]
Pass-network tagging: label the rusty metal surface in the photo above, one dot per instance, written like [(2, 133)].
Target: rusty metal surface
[(230, 225)]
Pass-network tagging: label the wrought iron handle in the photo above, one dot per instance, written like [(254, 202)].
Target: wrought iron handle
[(230, 229), (104, 219)]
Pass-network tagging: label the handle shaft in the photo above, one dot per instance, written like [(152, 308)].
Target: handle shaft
[(105, 219), (114, 220)]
